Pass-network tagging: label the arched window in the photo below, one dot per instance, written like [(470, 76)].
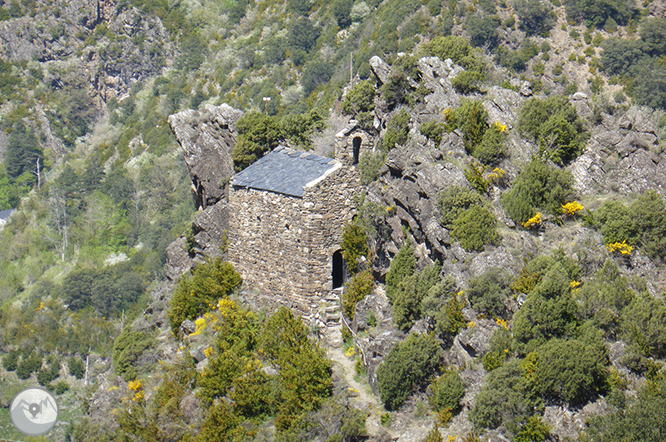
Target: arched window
[(338, 270), (356, 144)]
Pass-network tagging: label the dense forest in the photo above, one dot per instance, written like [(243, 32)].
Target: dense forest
[(551, 286)]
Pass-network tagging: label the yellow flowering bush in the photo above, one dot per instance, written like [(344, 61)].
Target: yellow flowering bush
[(535, 221), (572, 208), (620, 247)]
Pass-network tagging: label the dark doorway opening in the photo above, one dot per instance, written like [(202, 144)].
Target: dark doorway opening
[(338, 272), (356, 143)]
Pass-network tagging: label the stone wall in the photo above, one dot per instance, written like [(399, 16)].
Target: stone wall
[(344, 144), (283, 245)]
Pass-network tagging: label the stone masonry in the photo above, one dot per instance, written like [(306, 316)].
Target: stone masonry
[(283, 245)]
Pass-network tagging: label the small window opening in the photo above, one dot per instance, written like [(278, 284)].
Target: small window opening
[(356, 143), (338, 272)]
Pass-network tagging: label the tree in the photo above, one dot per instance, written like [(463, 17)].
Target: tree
[(406, 366), (411, 291), (358, 288), (649, 215), (23, 151), (644, 325), (446, 391), (316, 74), (433, 130), (507, 398), (538, 185), (194, 294), (304, 371), (554, 124), (483, 30), (257, 134), (569, 370), (354, 246), (615, 223), (397, 131), (597, 12), (453, 201), (128, 347), (619, 55), (549, 311), (653, 33), (302, 34), (341, 10), (535, 16), (472, 120), (402, 266)]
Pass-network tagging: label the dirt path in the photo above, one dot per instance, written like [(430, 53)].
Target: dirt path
[(365, 400)]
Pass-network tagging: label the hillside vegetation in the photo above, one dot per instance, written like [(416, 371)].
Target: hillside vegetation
[(537, 289)]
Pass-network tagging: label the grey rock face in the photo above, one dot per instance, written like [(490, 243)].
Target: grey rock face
[(109, 67), (380, 68), (207, 139)]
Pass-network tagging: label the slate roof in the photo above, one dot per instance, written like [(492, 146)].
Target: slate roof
[(284, 171), (5, 214)]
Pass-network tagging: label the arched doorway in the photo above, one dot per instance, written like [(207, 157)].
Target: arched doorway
[(338, 270), (356, 144)]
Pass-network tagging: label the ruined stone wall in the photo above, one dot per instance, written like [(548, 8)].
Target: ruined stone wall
[(283, 245), (344, 145)]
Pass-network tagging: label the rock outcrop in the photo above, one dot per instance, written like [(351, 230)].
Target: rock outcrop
[(207, 138)]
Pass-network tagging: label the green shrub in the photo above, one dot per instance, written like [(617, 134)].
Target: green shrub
[(649, 215), (358, 288), (507, 398), (359, 99), (402, 266), (467, 82), (488, 292), (472, 120), (60, 387), (446, 392), (549, 311), (570, 371), (537, 186), (354, 246), (406, 299), (597, 12), (257, 134), (603, 298), (534, 430), (458, 50), (397, 131), (195, 294), (433, 130), (370, 165), (535, 16), (406, 366), (653, 34), (128, 347), (475, 228), (28, 365), (10, 360), (615, 222), (491, 150), (444, 308), (453, 201), (555, 126), (644, 326), (483, 30), (643, 419), (76, 367)]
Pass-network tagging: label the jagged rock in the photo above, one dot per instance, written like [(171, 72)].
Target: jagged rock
[(588, 169), (210, 227), (625, 123), (644, 126), (377, 304), (476, 340), (566, 424), (580, 102), (639, 172), (375, 348), (503, 105), (493, 257), (380, 68), (434, 178), (207, 139), (187, 327), (458, 355), (525, 89), (178, 260)]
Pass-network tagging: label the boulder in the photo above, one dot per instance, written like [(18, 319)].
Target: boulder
[(380, 68), (178, 260)]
